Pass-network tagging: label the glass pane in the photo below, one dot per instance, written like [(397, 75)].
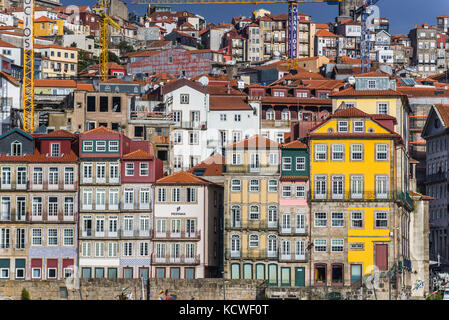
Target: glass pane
[(247, 271), (112, 273), (260, 272), (174, 273), (356, 274), (272, 274), (235, 271), (189, 273)]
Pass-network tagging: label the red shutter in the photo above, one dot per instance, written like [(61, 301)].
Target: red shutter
[(36, 263), (381, 256)]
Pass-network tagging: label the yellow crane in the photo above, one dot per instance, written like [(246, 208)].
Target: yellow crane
[(292, 16), (28, 66), (105, 22)]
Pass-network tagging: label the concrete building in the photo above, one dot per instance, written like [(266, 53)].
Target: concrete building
[(424, 42), (347, 7), (186, 224)]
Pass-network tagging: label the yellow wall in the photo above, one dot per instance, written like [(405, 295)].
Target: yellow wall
[(45, 29)]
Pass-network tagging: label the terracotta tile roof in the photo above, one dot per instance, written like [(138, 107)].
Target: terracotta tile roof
[(44, 19), (352, 92), (10, 78), (321, 26), (52, 83), (60, 134), (101, 130), (54, 46), (350, 112), (182, 177), (294, 144), (325, 33), (176, 84), (295, 100), (228, 103), (443, 111), (85, 86), (142, 53), (422, 196), (377, 73), (423, 92), (7, 44), (256, 141), (137, 155), (213, 166), (40, 158), (383, 117)]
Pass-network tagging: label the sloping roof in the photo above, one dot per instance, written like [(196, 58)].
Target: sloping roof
[(352, 92), (137, 155), (10, 78), (101, 130), (228, 103), (60, 134), (424, 92), (182, 177), (377, 73), (350, 112), (294, 144), (212, 166), (443, 111), (7, 44), (176, 84), (325, 33), (85, 86), (254, 141), (43, 19)]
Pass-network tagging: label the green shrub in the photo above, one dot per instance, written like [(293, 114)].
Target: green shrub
[(25, 294)]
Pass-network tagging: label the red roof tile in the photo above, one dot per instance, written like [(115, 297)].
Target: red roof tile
[(60, 134), (294, 144), (213, 165), (352, 92), (182, 177), (138, 154), (443, 110), (228, 103), (256, 141), (101, 130), (44, 19)]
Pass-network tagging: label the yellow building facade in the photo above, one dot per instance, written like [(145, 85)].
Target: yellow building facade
[(46, 27), (58, 61), (354, 197)]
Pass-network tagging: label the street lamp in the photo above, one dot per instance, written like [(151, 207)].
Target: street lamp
[(224, 287)]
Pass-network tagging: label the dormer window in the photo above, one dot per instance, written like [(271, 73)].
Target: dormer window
[(16, 148), (88, 146), (371, 84), (359, 126), (343, 126), (55, 149), (101, 146)]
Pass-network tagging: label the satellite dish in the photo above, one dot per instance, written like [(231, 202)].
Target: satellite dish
[(351, 80), (204, 81)]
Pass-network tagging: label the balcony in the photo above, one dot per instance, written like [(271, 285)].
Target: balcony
[(15, 186), (292, 257), (152, 116), (292, 230), (200, 125), (13, 216), (250, 225), (352, 196), (255, 254), (180, 259), (180, 235), (263, 169)]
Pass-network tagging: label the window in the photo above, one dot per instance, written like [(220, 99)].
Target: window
[(143, 250), (320, 187), (114, 146), (357, 219), (253, 241), (320, 219), (37, 175), (99, 249), (161, 194), (237, 117), (371, 84), (337, 187), (286, 191), (129, 196), (112, 249), (356, 274), (20, 238), (5, 238), (37, 206), (236, 136), (68, 237), (16, 148), (222, 117), (236, 159), (69, 176), (177, 162), (272, 185), (129, 171), (381, 152), (254, 185), (320, 152), (343, 126), (337, 245), (21, 175), (356, 246), (128, 249), (236, 185), (254, 213), (338, 219), (381, 219), (52, 206), (6, 176), (177, 137), (286, 163), (382, 108), (320, 273), (55, 149), (191, 194), (36, 237), (359, 126), (100, 146), (273, 159), (184, 98), (320, 245), (357, 152), (176, 195), (87, 170), (193, 138), (52, 237), (53, 176), (300, 163), (88, 146), (356, 187), (301, 191), (337, 274)]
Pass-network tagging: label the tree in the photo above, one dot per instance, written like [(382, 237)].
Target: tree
[(73, 45), (113, 57), (84, 60), (25, 295), (125, 47)]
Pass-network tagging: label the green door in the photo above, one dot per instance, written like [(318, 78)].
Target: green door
[(300, 277)]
